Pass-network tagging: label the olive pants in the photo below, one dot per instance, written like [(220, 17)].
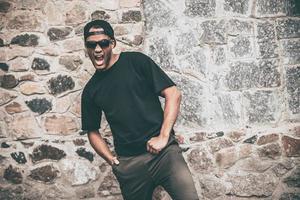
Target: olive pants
[(139, 175)]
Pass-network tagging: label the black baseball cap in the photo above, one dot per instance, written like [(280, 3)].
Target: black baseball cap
[(107, 29)]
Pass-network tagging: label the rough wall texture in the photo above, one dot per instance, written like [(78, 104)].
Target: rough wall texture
[(237, 64)]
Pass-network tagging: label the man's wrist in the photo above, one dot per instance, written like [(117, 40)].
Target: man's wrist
[(164, 136)]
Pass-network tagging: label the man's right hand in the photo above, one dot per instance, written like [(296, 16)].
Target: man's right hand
[(114, 161)]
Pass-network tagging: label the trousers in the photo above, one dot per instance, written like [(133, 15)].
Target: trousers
[(138, 176)]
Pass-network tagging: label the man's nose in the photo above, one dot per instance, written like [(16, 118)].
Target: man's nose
[(98, 48)]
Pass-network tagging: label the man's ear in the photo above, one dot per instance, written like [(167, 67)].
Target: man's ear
[(114, 43)]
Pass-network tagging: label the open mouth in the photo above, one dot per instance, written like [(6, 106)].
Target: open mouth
[(99, 59)]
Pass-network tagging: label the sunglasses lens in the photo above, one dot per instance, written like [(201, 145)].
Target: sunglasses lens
[(92, 45), (104, 43)]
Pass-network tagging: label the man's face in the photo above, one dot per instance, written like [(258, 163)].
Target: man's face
[(100, 56)]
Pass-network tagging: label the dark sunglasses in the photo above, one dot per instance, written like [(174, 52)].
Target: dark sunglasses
[(102, 43)]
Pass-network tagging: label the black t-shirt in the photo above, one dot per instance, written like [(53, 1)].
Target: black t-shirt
[(128, 94)]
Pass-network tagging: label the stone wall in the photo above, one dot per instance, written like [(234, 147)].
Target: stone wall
[(237, 64)]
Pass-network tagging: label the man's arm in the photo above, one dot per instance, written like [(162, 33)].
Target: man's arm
[(101, 147), (172, 104)]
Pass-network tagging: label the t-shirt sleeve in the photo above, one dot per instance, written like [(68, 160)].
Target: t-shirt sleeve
[(90, 113), (154, 75)]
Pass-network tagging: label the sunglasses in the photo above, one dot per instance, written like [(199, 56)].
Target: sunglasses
[(102, 43)]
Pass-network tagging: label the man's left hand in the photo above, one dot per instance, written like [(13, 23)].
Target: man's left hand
[(156, 144)]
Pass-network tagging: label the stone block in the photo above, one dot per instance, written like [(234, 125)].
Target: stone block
[(72, 15), (19, 64), (191, 104), (44, 151), (27, 77), (253, 165), (40, 64), (30, 88), (253, 184), (184, 41), (267, 75), (30, 4), (230, 108), (288, 28), (214, 32), (270, 8), (198, 137), (11, 193), (212, 187), (237, 6), (54, 12), (236, 136), (110, 5), (251, 140), (265, 31), (18, 51), (240, 27), (241, 47), (200, 8), (193, 62), (23, 126), (268, 49), (25, 40), (200, 160), (226, 158), (76, 106), (55, 34), (19, 157), (293, 85), (79, 172), (73, 44), (262, 107), (245, 150), (13, 175), (45, 174), (70, 62), (265, 139), (158, 15), (62, 104), (291, 146), (290, 51), (4, 66), (272, 150), (131, 16), (14, 107), (293, 180), (245, 75), (8, 81), (25, 21), (160, 51), (79, 142), (58, 124), (82, 152), (60, 84), (218, 144), (39, 105), (283, 167), (218, 55), (5, 6), (100, 14)]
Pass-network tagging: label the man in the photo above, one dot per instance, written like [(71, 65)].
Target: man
[(126, 87)]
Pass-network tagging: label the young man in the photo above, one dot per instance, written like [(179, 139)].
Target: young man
[(126, 87)]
